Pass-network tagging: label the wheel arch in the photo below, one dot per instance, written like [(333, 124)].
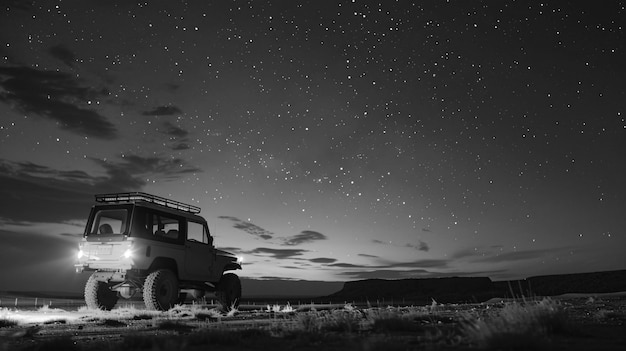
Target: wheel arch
[(164, 263), (231, 266)]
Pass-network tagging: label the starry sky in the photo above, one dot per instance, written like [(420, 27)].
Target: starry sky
[(323, 140)]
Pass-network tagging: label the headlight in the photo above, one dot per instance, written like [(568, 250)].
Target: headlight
[(128, 253), (240, 260), (80, 254)]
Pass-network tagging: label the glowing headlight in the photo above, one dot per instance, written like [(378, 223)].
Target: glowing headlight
[(128, 253), (80, 254)]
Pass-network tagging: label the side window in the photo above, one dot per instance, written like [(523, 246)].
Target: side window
[(110, 222), (196, 232), (164, 226)]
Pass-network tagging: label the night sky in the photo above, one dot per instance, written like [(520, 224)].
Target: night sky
[(323, 140)]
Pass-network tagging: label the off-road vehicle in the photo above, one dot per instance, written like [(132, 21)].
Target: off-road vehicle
[(137, 242)]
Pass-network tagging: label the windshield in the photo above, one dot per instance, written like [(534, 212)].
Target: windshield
[(109, 222)]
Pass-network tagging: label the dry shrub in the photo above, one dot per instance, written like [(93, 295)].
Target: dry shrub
[(7, 322), (519, 325)]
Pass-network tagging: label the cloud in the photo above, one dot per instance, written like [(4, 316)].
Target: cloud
[(430, 263), (249, 228), (366, 255), (519, 255), (56, 96), (389, 274), (391, 270), (36, 193), (253, 229), (63, 54), (162, 111), (180, 147), (155, 166), (422, 246), (35, 255), (304, 237), (323, 260), (495, 254), (345, 265), (174, 131), (425, 263), (277, 253)]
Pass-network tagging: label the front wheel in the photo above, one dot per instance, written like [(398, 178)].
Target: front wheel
[(228, 291), (98, 295), (160, 290)]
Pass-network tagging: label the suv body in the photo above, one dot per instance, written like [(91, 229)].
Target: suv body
[(137, 242)]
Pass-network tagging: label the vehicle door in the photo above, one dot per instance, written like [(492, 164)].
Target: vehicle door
[(199, 252)]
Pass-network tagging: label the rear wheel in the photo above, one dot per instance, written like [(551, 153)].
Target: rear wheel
[(228, 291), (160, 290), (98, 295)]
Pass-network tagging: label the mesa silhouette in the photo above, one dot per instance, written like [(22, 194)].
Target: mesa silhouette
[(478, 289)]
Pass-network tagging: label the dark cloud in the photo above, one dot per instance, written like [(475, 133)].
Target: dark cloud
[(163, 111), (417, 264), (323, 260), (56, 96), (158, 166), (345, 265), (422, 246), (495, 254), (181, 147), (391, 270), (412, 274), (63, 54), (304, 237), (43, 199), (174, 131), (389, 274), (520, 255), (277, 253), (366, 255), (35, 169), (36, 193), (385, 264), (249, 228), (36, 255)]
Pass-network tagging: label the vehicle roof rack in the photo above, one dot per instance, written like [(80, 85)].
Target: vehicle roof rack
[(138, 196)]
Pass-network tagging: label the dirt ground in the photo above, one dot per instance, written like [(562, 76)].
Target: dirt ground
[(599, 323)]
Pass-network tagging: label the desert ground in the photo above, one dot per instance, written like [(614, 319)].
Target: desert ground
[(566, 322)]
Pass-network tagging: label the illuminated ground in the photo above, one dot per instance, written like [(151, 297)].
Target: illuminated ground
[(600, 323)]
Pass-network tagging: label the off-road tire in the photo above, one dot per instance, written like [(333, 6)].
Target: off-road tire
[(98, 295), (160, 290), (228, 292)]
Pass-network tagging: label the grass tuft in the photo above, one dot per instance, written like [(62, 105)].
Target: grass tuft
[(518, 325), (7, 322)]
